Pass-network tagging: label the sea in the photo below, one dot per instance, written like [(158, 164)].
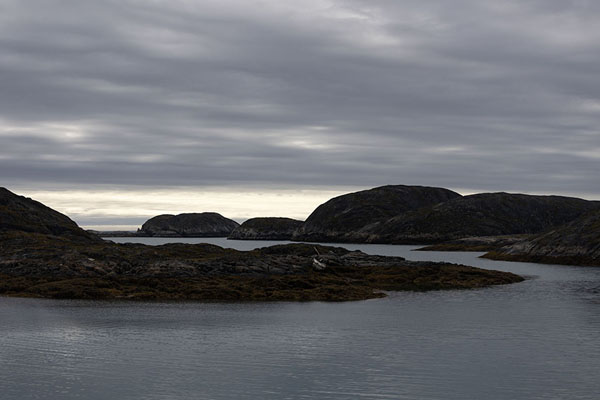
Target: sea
[(538, 339)]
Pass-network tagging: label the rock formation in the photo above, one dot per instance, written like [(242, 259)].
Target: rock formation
[(207, 224), (266, 229), (18, 213), (45, 254), (486, 214), (343, 218), (575, 243)]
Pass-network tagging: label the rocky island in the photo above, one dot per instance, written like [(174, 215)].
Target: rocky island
[(206, 224), (45, 254), (348, 218), (267, 228), (485, 214), (421, 215)]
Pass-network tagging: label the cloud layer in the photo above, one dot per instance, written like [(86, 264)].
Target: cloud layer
[(482, 95)]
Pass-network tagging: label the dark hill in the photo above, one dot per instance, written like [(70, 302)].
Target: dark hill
[(18, 213), (575, 243), (206, 224), (486, 214), (341, 218), (266, 229)]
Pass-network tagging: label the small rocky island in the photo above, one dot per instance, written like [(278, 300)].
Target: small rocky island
[(45, 254), (206, 224), (268, 228)]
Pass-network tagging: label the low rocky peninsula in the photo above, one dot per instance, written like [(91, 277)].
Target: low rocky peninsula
[(574, 243), (45, 254)]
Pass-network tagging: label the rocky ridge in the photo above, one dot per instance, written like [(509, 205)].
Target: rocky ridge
[(574, 243), (485, 214)]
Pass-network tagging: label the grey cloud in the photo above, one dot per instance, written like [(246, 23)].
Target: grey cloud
[(466, 94)]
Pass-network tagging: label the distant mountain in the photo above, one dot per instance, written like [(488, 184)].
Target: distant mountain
[(576, 243), (486, 214), (342, 218), (22, 214), (207, 224), (266, 229)]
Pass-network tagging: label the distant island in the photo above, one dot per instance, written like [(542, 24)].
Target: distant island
[(266, 228), (206, 224), (419, 215), (498, 223), (43, 253)]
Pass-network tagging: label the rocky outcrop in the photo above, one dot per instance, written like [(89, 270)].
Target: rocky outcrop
[(266, 229), (18, 213), (44, 254), (575, 243), (207, 224), (486, 214), (42, 266), (343, 218)]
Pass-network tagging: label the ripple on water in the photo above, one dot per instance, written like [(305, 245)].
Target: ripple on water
[(537, 339)]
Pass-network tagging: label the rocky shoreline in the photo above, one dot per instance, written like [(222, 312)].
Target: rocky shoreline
[(35, 265), (476, 243)]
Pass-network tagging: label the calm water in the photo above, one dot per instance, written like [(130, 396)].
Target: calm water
[(539, 339)]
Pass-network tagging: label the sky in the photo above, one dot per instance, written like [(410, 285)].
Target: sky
[(113, 111)]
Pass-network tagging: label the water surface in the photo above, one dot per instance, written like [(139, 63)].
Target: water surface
[(538, 339)]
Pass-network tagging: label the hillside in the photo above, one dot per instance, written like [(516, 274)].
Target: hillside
[(342, 218), (575, 243), (486, 214), (19, 213)]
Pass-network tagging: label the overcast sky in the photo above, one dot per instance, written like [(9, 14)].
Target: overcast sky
[(297, 99)]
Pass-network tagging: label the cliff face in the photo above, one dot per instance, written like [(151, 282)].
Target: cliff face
[(486, 214), (576, 243), (18, 213), (206, 224), (266, 229), (343, 218)]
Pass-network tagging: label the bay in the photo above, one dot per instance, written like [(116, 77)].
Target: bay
[(538, 339)]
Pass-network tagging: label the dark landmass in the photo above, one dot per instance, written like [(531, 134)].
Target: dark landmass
[(394, 215), (476, 243), (266, 229), (344, 218), (19, 213), (207, 224), (575, 243), (486, 214), (40, 266), (55, 258)]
